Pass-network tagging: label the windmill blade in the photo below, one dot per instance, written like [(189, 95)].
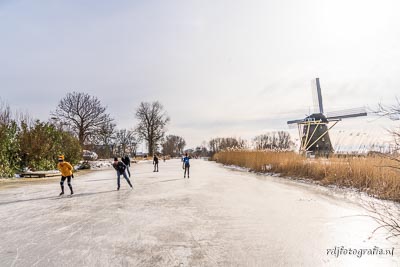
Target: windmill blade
[(317, 96), (347, 113), (294, 121)]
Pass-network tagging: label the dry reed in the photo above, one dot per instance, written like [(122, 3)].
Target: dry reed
[(374, 175)]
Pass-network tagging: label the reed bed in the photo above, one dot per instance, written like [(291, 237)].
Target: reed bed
[(378, 176)]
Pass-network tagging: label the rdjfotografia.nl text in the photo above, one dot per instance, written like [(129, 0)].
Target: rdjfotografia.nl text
[(339, 251)]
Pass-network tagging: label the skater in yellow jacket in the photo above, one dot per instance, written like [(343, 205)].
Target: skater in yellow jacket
[(66, 173)]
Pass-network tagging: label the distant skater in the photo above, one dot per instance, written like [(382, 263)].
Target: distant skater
[(66, 173), (155, 163), (120, 167), (127, 161), (186, 165)]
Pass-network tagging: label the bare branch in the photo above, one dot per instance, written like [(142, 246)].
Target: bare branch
[(84, 113)]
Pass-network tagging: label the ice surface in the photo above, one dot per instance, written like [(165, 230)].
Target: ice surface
[(218, 217)]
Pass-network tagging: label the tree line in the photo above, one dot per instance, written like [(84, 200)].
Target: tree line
[(279, 141), (80, 121)]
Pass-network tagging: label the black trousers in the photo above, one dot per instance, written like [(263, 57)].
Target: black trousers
[(156, 166), (186, 169), (68, 178)]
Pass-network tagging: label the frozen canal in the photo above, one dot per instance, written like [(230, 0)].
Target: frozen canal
[(218, 217)]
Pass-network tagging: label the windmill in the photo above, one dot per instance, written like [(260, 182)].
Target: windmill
[(314, 129)]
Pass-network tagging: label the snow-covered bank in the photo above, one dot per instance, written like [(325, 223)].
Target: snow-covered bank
[(374, 175)]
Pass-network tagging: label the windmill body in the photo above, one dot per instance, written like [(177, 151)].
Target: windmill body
[(314, 129)]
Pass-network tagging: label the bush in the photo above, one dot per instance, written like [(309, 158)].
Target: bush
[(41, 144), (9, 147)]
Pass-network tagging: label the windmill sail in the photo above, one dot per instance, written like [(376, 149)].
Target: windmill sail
[(347, 113), (317, 96), (295, 121)]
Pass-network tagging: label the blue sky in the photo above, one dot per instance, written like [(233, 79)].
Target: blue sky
[(220, 68)]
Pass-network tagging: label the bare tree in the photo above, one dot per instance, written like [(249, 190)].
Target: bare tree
[(84, 113), (273, 140), (152, 123), (104, 140), (201, 151), (106, 133), (133, 144), (393, 113), (126, 142), (173, 145), (218, 144), (5, 113), (386, 214)]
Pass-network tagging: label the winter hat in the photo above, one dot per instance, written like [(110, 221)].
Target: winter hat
[(115, 159), (61, 158)]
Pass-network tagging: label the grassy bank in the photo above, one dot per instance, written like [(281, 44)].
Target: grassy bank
[(374, 175)]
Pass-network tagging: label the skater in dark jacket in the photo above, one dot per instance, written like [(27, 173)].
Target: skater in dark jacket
[(120, 167), (155, 163), (186, 165), (127, 161), (66, 173)]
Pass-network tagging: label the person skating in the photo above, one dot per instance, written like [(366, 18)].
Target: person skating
[(127, 161), (155, 163), (120, 167), (186, 165), (66, 173)]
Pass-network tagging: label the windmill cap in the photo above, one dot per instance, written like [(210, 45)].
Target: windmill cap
[(317, 117)]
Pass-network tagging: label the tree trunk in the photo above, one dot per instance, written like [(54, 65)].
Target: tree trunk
[(81, 137), (150, 147)]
